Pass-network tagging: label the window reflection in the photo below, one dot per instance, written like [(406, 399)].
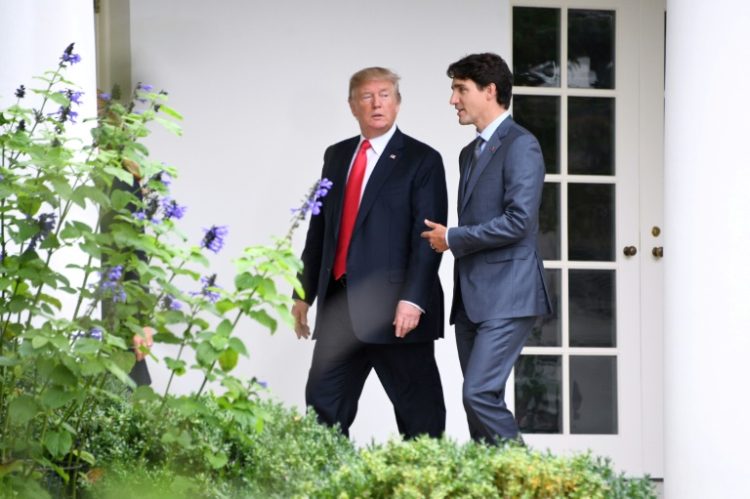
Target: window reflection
[(593, 394), (541, 116), (538, 388), (536, 47), (591, 48)]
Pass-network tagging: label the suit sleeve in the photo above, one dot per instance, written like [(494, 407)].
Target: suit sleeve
[(523, 180), (312, 255), (429, 200)]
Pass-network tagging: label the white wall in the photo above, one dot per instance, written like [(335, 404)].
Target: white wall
[(263, 87)]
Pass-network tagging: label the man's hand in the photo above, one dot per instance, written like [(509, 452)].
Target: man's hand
[(436, 236), (143, 339), (299, 312), (407, 318)]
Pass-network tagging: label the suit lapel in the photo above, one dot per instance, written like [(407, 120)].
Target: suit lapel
[(380, 173), (493, 145)]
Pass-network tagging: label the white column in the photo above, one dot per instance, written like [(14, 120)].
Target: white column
[(707, 249), (33, 36)]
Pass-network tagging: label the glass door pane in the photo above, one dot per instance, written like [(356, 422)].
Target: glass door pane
[(566, 382)]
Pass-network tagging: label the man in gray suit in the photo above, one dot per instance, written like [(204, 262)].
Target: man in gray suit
[(499, 287)]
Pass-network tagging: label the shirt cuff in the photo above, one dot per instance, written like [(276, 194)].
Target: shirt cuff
[(413, 305)]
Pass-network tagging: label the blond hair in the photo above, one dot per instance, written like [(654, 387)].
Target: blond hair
[(373, 74)]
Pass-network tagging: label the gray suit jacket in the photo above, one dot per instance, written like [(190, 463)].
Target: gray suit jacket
[(497, 268)]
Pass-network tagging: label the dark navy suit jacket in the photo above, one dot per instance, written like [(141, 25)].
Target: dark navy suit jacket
[(388, 261)]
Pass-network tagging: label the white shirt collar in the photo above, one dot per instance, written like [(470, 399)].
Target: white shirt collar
[(378, 143), (489, 130)]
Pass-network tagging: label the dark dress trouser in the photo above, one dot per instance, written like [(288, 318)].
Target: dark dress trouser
[(487, 352), (341, 364)]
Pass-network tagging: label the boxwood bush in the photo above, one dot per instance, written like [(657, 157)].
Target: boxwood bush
[(293, 456)]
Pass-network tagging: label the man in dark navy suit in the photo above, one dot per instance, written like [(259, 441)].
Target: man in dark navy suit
[(380, 303)]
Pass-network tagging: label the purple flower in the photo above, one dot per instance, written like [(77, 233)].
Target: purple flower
[(144, 87), (151, 205), (65, 114), (105, 96), (73, 96), (21, 92), (323, 187), (46, 223), (119, 295), (165, 178), (314, 207), (170, 303), (213, 239), (96, 333), (264, 384), (208, 289), (69, 56), (110, 284), (115, 273), (172, 209), (312, 202)]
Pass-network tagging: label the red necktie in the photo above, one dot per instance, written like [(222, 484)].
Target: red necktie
[(351, 206)]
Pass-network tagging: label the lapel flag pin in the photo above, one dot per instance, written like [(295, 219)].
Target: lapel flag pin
[(393, 156)]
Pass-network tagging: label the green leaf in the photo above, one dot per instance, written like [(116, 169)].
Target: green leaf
[(216, 461), (63, 376), (51, 300), (228, 359), (22, 409), (224, 329), (178, 366), (144, 394), (58, 443), (120, 199), (218, 343), (55, 397), (238, 346), (6, 361), (205, 354), (39, 341), (90, 192), (120, 374), (171, 112), (170, 125), (61, 187), (59, 98), (264, 319), (86, 457)]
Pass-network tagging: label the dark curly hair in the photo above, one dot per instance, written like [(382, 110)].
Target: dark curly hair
[(484, 69)]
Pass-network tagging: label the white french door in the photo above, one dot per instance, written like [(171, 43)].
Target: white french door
[(580, 70)]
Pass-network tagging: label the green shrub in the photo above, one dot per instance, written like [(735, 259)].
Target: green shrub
[(294, 456)]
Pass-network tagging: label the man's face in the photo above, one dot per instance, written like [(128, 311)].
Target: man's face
[(474, 104), (375, 104)]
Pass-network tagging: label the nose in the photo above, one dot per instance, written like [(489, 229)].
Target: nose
[(377, 101), (453, 100)]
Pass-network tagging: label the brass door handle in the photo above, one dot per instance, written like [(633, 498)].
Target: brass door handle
[(629, 250), (658, 252)]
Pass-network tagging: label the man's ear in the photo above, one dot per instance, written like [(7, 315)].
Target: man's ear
[(491, 91)]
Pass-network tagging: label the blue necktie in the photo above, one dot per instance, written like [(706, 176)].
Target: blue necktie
[(478, 148)]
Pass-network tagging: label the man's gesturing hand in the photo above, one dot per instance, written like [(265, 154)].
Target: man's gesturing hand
[(436, 236)]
